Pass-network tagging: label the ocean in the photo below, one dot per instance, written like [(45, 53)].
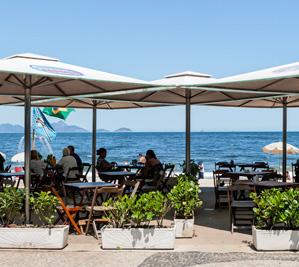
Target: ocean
[(208, 147)]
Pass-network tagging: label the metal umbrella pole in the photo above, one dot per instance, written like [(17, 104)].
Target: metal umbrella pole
[(284, 139), (94, 138), (27, 117), (188, 137)]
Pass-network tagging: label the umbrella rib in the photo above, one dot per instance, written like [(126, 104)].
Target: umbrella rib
[(40, 81), (83, 102), (227, 95), (243, 104), (200, 93), (148, 95), (269, 84), (95, 86), (70, 102), (293, 101), (174, 93), (53, 82), (137, 105), (17, 78)]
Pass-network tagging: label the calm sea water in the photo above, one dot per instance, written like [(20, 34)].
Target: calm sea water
[(169, 147)]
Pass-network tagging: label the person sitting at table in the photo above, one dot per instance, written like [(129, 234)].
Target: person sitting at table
[(102, 164), (152, 166), (67, 162), (36, 164), (75, 155)]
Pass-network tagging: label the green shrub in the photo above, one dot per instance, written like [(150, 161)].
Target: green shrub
[(184, 196), (11, 204), (44, 204), (276, 209), (137, 211)]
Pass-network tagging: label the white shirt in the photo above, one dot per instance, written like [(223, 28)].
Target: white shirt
[(68, 162), (37, 166)]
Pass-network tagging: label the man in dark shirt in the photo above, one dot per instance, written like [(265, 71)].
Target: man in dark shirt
[(102, 163), (76, 156)]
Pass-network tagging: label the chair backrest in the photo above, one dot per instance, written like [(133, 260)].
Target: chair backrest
[(238, 188), (71, 170), (112, 191), (85, 169), (168, 170), (7, 168), (133, 186)]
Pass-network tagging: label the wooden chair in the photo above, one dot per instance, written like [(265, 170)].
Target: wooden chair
[(154, 183), (240, 205), (221, 182), (66, 213), (96, 211), (131, 187), (84, 170), (168, 170)]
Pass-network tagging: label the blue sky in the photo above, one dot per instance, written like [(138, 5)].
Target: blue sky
[(150, 39)]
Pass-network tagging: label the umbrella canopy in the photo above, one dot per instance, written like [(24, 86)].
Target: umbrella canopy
[(277, 80), (174, 90), (48, 76), (277, 148), (18, 158)]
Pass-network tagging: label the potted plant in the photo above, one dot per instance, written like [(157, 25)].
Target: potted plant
[(41, 235), (276, 220), (184, 198), (194, 169), (137, 223)]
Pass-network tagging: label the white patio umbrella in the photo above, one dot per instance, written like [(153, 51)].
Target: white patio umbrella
[(277, 80), (25, 75), (18, 158), (277, 149)]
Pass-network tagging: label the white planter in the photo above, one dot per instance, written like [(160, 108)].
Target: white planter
[(30, 237), (138, 238), (275, 239), (184, 227)]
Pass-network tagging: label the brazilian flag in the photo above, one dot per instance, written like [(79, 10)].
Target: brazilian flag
[(61, 113)]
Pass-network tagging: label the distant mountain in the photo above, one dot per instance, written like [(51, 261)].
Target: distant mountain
[(11, 128), (102, 130), (123, 130), (62, 127)]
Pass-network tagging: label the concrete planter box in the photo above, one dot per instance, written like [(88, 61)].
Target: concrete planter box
[(275, 239), (138, 238), (184, 227), (30, 237)]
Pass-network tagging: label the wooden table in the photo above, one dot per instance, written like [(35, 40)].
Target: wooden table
[(84, 188), (119, 176)]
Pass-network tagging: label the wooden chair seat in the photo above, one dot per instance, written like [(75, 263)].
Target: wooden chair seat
[(98, 208), (242, 204)]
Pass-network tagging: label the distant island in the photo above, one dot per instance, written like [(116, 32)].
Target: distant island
[(120, 130), (11, 128), (123, 130), (62, 127)]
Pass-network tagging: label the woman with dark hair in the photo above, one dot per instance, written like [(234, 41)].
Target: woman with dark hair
[(152, 166)]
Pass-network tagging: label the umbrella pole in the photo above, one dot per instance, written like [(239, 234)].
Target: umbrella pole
[(27, 117), (94, 138), (284, 139), (188, 137)]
